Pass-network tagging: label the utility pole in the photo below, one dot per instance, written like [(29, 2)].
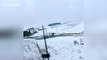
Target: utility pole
[(45, 56)]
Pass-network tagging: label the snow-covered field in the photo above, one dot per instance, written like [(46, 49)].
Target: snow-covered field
[(60, 48)]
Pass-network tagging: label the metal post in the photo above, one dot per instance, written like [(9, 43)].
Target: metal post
[(45, 43)]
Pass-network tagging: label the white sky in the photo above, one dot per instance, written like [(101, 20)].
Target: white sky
[(37, 12)]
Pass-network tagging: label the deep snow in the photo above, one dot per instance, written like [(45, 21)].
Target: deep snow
[(60, 48)]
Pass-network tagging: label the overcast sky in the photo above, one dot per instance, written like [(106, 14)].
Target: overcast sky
[(38, 12), (95, 9)]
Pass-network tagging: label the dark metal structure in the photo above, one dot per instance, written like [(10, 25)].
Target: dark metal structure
[(47, 55)]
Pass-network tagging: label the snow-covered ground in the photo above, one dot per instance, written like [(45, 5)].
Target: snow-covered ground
[(60, 48)]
